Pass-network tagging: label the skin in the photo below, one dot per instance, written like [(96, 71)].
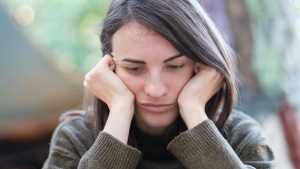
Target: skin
[(146, 77)]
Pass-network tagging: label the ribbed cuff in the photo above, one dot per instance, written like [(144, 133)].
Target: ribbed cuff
[(112, 153), (196, 144)]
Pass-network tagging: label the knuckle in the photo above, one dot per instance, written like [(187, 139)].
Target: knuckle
[(86, 85), (87, 77)]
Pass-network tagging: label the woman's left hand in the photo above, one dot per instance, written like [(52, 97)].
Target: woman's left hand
[(197, 91)]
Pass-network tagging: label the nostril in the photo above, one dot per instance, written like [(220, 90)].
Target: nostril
[(155, 90)]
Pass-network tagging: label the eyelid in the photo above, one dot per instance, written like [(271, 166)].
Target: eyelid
[(175, 66), (139, 69)]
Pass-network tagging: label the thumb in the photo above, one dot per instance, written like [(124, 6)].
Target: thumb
[(197, 67), (108, 61)]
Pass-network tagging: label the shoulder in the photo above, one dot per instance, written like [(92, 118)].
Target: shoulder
[(241, 130), (240, 121), (78, 124), (74, 132)]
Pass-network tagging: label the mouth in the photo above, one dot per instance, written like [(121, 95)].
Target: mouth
[(156, 107)]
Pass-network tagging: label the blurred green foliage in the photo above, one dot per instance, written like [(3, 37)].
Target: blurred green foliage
[(274, 30), (67, 30), (276, 36)]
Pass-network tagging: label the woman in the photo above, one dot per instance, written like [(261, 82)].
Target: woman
[(161, 97)]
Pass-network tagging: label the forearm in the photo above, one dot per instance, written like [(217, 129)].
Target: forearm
[(192, 115), (205, 147), (109, 153), (73, 145), (106, 153), (119, 120)]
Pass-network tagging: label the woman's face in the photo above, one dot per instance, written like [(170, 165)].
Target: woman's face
[(154, 71)]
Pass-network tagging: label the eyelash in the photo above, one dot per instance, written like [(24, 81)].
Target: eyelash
[(135, 69), (175, 66), (141, 69)]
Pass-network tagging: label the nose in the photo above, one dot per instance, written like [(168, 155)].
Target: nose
[(155, 87)]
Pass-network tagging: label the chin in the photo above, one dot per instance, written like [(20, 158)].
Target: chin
[(160, 122), (152, 120)]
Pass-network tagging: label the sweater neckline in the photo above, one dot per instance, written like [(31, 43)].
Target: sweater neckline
[(154, 148)]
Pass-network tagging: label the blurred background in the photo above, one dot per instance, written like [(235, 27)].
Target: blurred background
[(46, 47)]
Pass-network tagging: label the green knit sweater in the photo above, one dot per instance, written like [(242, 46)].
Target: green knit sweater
[(239, 144)]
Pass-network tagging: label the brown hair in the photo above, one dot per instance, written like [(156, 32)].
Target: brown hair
[(188, 28)]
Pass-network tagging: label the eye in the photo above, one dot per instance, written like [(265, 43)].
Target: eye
[(175, 66), (136, 69)]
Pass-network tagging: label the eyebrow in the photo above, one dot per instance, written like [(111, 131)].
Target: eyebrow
[(173, 57), (143, 62)]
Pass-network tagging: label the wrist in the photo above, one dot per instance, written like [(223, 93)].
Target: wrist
[(192, 115), (119, 120)]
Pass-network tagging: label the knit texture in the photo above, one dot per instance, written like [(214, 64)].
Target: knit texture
[(239, 144)]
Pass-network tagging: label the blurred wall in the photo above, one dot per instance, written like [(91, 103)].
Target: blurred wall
[(31, 87)]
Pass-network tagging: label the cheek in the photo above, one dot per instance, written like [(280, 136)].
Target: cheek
[(131, 82), (178, 81)]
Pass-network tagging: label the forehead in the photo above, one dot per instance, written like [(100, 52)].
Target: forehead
[(134, 30), (137, 41)]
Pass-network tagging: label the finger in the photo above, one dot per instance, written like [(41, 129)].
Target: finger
[(87, 80), (106, 60), (109, 61), (220, 81), (94, 73), (197, 67), (211, 76), (85, 84)]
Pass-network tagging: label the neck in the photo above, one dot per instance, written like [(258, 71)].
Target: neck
[(155, 131)]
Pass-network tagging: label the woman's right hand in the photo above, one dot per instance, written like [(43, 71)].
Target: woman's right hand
[(103, 83)]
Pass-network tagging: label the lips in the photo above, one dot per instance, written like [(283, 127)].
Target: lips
[(156, 107)]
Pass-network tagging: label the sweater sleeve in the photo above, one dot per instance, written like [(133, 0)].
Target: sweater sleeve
[(110, 153), (205, 147), (73, 146)]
